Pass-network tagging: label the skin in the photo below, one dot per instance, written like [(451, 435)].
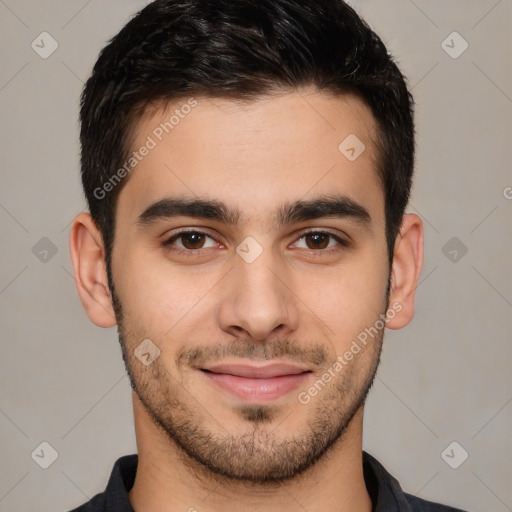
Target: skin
[(298, 301)]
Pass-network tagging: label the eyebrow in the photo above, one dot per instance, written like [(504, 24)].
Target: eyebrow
[(337, 206)]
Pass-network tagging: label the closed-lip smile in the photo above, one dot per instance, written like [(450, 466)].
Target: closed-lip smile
[(256, 383)]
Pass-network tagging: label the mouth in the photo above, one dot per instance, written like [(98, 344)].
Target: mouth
[(252, 383)]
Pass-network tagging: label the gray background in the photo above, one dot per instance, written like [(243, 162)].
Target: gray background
[(446, 377)]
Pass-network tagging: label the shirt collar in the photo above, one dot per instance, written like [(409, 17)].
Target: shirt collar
[(384, 490)]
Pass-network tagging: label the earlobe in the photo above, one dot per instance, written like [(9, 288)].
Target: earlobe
[(405, 271), (88, 257)]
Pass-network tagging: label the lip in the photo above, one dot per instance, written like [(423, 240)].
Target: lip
[(256, 372), (257, 383)]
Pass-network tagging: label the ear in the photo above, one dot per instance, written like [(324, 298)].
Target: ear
[(88, 257), (406, 270)]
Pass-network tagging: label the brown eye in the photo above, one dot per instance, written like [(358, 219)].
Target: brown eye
[(189, 241), (192, 240), (317, 240), (320, 240)]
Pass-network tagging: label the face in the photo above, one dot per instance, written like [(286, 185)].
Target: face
[(250, 250)]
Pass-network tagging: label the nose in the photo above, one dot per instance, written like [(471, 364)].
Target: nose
[(257, 301)]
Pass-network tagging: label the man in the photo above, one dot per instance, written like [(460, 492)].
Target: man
[(247, 166)]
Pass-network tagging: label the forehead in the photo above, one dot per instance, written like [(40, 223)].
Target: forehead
[(255, 155)]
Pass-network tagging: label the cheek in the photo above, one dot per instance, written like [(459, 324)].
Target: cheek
[(158, 295), (161, 297), (349, 298)]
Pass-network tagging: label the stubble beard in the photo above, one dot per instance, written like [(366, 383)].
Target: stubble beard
[(257, 452)]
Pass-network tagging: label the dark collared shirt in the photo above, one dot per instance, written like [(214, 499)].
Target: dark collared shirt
[(384, 490)]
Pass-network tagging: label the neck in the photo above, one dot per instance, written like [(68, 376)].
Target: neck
[(167, 480)]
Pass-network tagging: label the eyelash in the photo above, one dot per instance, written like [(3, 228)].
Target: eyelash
[(168, 244)]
